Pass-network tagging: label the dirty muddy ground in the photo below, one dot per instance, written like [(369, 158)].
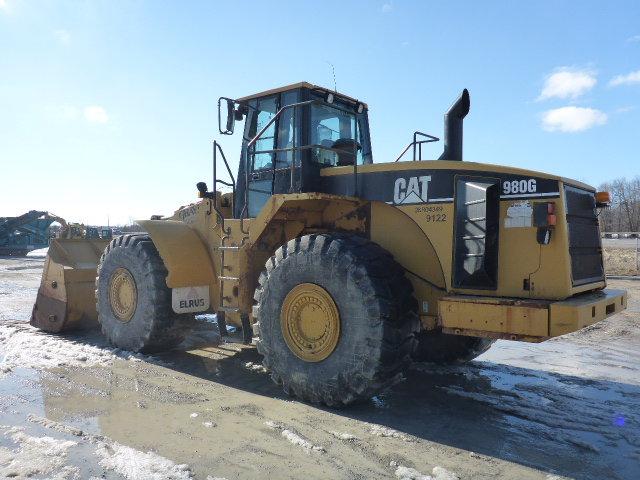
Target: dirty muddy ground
[(73, 407), (622, 261)]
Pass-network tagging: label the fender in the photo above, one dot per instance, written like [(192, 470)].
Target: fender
[(400, 235), (384, 224), (300, 211), (183, 252)]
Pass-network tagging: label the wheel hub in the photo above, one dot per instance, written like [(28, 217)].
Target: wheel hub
[(123, 294), (310, 322)]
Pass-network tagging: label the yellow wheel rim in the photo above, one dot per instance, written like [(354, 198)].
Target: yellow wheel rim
[(310, 322), (123, 294)]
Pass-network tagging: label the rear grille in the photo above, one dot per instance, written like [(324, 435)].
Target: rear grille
[(585, 246)]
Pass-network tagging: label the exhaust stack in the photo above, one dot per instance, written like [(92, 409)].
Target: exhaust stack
[(453, 127)]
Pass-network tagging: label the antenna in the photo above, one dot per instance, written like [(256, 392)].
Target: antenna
[(333, 70)]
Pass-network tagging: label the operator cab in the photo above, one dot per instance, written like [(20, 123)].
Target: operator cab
[(290, 134)]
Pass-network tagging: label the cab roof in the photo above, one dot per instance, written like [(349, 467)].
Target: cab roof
[(295, 86)]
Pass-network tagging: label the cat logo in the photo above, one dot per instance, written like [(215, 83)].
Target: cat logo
[(413, 190)]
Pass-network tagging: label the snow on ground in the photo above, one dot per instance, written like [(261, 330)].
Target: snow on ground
[(136, 465), (294, 437), (48, 457), (19, 281), (53, 425), (27, 347), (344, 436), (407, 473), (35, 456), (21, 303), (39, 253), (438, 473), (380, 431), (254, 367), (541, 403)]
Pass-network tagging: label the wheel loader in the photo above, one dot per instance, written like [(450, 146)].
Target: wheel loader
[(341, 270)]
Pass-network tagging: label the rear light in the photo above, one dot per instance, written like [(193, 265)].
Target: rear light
[(551, 214), (544, 214), (603, 199)]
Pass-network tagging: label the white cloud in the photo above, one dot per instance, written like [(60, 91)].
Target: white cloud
[(572, 119), (3, 5), (567, 82), (625, 109), (635, 38), (386, 8), (95, 114), (628, 79), (62, 36)]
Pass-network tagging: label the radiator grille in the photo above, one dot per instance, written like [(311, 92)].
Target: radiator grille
[(585, 247)]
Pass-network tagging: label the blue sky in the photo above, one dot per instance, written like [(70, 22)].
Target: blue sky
[(108, 108)]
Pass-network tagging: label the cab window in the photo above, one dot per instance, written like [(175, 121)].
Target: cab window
[(286, 131), (266, 110), (279, 135), (335, 136)]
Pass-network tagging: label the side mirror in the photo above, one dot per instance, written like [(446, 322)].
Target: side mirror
[(228, 105)]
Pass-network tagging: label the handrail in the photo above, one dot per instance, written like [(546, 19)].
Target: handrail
[(417, 144), (303, 147), (218, 148)]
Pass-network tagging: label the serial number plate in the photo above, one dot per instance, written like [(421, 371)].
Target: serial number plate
[(434, 213)]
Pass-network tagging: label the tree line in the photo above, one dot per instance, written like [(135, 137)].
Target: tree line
[(624, 214)]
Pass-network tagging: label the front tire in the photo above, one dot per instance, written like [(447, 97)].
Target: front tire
[(132, 297), (336, 318)]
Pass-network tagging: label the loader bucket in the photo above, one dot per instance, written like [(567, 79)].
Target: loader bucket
[(66, 297)]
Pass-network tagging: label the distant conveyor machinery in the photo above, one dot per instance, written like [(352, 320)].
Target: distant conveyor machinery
[(27, 232)]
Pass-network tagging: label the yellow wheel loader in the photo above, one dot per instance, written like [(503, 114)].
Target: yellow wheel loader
[(340, 269)]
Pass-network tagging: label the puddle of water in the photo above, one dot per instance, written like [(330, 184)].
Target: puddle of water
[(147, 406), (528, 416)]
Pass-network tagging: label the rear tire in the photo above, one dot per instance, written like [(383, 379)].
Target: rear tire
[(377, 318), (143, 320), (444, 349)]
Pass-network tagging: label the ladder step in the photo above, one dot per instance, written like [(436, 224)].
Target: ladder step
[(228, 309), (232, 279), (231, 247)]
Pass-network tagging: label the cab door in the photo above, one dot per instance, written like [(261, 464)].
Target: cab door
[(270, 162)]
